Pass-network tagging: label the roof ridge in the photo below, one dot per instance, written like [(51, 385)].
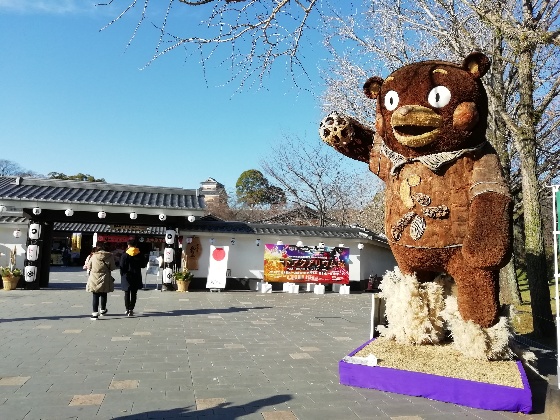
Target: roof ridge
[(98, 185)]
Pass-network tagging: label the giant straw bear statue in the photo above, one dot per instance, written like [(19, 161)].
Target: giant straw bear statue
[(448, 207)]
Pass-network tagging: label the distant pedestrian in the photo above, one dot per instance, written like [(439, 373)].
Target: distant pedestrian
[(131, 275), (66, 257), (100, 281), (94, 249)]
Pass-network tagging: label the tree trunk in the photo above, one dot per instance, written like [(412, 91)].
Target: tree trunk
[(525, 143), (496, 133), (509, 290)]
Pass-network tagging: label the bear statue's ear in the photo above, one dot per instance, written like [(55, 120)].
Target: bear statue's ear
[(476, 64), (372, 87)]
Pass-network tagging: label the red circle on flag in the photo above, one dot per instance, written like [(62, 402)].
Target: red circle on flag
[(219, 254)]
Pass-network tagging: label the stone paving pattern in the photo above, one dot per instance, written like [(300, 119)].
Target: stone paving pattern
[(196, 355)]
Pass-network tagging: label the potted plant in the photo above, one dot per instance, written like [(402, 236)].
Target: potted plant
[(10, 277), (183, 278)]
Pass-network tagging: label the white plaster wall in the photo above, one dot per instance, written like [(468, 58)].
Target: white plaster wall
[(376, 260), (246, 259), (7, 243)]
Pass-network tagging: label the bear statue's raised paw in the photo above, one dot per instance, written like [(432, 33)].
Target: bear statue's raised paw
[(335, 129)]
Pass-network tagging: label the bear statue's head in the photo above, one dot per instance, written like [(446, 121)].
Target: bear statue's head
[(432, 106)]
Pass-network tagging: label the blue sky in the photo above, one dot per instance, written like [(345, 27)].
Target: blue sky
[(75, 99)]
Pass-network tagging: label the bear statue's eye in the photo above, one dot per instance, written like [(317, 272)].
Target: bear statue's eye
[(439, 97), (391, 100)]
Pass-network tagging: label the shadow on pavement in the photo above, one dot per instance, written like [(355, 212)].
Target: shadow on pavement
[(546, 366), (223, 411), (177, 312)]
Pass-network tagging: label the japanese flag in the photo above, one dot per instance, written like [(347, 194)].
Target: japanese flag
[(217, 267)]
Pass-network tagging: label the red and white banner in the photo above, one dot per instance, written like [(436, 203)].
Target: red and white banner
[(217, 267)]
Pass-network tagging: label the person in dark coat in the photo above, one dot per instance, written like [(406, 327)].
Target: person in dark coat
[(131, 275), (100, 282)]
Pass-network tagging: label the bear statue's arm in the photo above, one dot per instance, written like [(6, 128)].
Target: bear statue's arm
[(347, 136), (489, 227)]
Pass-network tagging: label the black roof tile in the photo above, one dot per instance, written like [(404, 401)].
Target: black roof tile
[(82, 192), (284, 230)]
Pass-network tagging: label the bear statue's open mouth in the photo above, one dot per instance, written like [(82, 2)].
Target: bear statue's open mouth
[(412, 130), (415, 125)]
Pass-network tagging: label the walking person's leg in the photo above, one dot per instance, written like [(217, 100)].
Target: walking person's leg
[(133, 294), (103, 303), (95, 306), (127, 300)]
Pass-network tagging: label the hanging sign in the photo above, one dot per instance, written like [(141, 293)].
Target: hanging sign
[(167, 275), (168, 255), (76, 242), (217, 268), (153, 265), (33, 252), (192, 252), (30, 273), (34, 231), (305, 264)]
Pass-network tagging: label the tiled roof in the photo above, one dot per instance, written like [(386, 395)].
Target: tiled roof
[(88, 227), (284, 230), (212, 225), (303, 215), (101, 228), (83, 192), (13, 219)]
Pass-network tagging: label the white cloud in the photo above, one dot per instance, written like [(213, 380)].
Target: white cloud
[(47, 6)]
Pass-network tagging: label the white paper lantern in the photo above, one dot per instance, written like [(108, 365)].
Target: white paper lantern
[(36, 211), (162, 217), (17, 233), (191, 218), (101, 214), (2, 209), (69, 212), (133, 215), (167, 275), (33, 252), (169, 237), (34, 231), (30, 273), (299, 244), (360, 246), (168, 254)]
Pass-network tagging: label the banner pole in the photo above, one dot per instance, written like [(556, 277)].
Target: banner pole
[(371, 331), (555, 233)]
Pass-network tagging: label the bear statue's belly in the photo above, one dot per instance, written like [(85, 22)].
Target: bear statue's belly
[(428, 210)]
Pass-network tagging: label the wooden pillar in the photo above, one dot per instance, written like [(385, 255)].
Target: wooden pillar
[(45, 255)]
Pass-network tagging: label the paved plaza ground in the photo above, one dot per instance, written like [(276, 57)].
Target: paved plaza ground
[(196, 355)]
